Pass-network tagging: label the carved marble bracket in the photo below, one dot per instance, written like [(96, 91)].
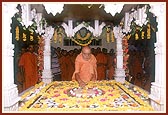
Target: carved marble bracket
[(26, 15), (70, 30), (139, 15)]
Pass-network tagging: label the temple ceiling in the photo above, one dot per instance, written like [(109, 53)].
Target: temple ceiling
[(84, 12)]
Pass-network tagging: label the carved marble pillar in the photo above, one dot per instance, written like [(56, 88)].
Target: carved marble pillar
[(47, 74), (119, 70), (10, 91), (158, 88)]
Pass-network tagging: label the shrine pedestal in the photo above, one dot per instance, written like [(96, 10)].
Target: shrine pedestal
[(46, 78), (157, 97), (11, 98), (120, 75)]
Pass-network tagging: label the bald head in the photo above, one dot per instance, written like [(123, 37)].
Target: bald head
[(86, 53), (86, 49), (31, 48)]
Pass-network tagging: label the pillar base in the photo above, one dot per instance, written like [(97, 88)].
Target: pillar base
[(12, 108), (157, 97), (11, 98), (120, 75), (157, 106), (47, 76)]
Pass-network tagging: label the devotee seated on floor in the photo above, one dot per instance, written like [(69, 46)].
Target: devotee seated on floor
[(85, 67)]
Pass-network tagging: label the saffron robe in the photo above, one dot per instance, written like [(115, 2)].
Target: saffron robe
[(29, 62), (101, 66), (110, 67), (64, 62), (85, 68)]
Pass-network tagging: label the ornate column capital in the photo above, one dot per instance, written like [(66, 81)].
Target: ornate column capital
[(48, 32), (119, 36), (39, 21), (118, 32)]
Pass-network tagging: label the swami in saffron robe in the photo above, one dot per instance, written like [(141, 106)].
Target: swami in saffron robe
[(29, 62), (85, 68)]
